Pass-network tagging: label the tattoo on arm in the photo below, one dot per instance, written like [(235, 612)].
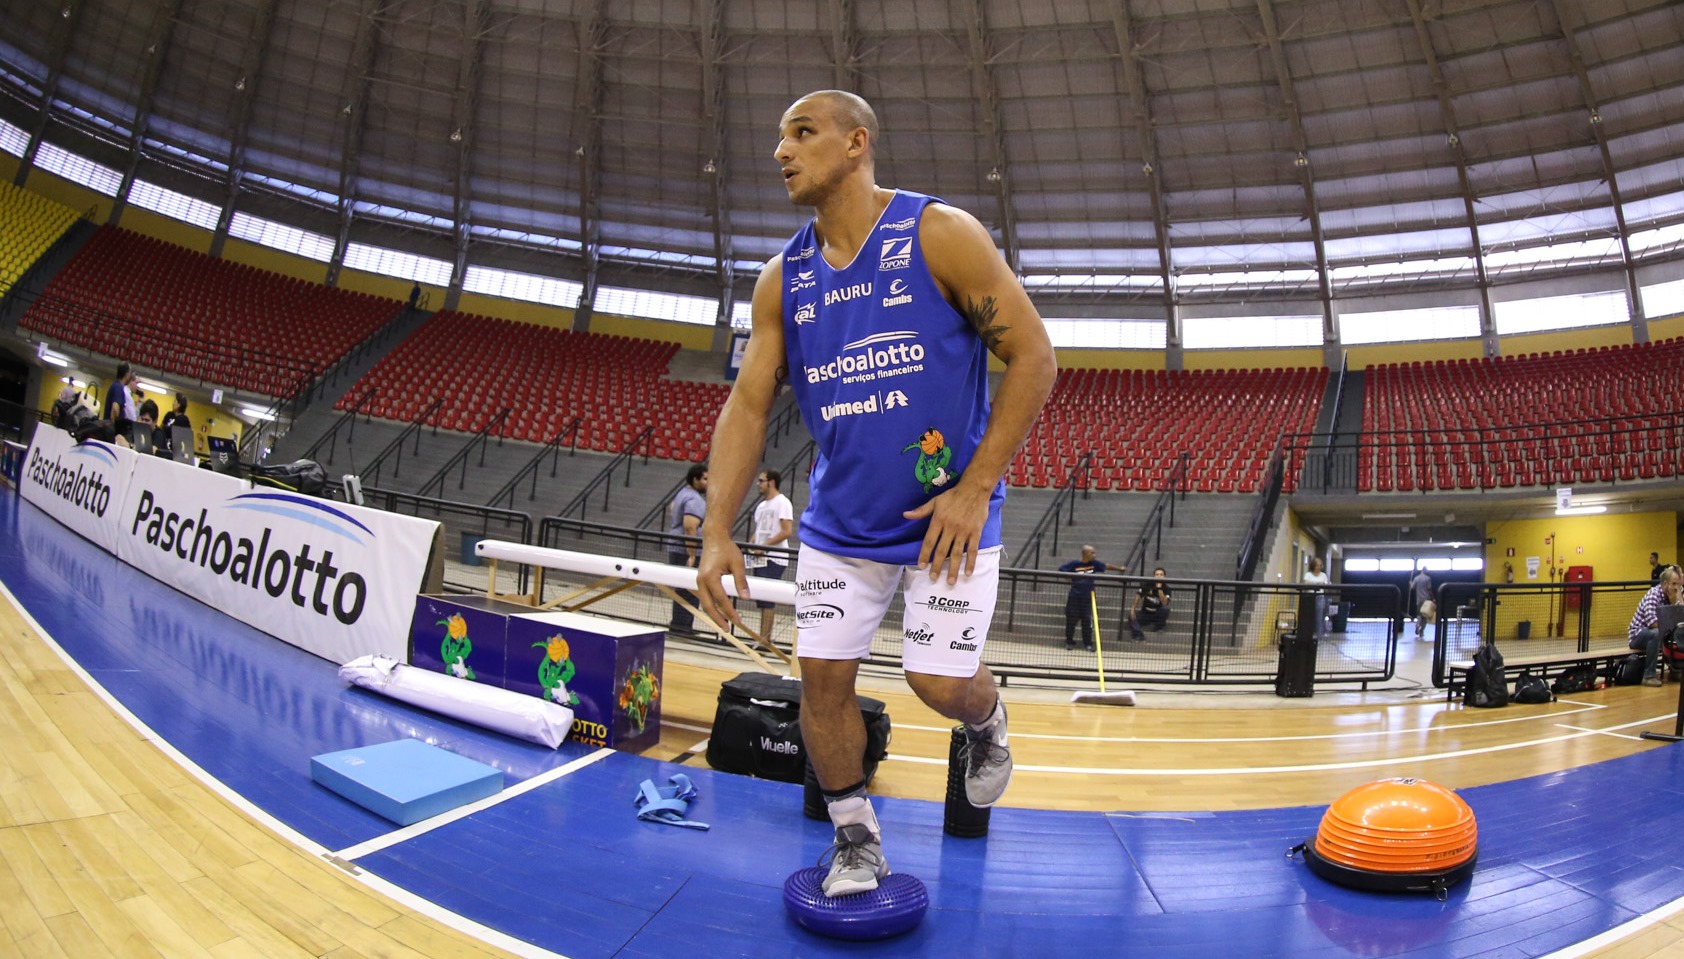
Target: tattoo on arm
[(781, 376), (982, 317)]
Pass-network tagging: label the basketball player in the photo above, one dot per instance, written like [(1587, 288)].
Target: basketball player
[(881, 313)]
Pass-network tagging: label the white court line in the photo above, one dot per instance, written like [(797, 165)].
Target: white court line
[(1628, 928), (426, 907), (1601, 732), (1360, 734), (351, 853), (1311, 767)]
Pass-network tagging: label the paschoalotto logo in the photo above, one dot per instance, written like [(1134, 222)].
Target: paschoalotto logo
[(80, 483), (289, 560), (874, 356)]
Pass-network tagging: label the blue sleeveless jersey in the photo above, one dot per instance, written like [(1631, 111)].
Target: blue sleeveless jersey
[(892, 383)]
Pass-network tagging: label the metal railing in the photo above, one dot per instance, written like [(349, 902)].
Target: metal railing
[(552, 449), (603, 480), (481, 439), (1546, 618), (1602, 451), (1152, 530), (371, 472), (1064, 501), (347, 421), (1262, 515)]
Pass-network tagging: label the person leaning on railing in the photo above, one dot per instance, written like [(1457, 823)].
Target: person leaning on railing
[(1644, 633)]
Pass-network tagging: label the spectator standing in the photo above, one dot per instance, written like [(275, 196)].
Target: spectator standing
[(684, 524), (774, 524), (1318, 577), (1421, 601), (1078, 606)]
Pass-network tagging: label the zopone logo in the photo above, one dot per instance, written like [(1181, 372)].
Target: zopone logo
[(897, 254)]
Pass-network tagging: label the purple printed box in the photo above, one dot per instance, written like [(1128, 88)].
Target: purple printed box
[(462, 636), (611, 671)]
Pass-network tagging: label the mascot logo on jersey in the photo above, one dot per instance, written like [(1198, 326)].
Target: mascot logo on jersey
[(933, 457)]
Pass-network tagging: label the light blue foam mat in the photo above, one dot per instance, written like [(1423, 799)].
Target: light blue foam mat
[(405, 780)]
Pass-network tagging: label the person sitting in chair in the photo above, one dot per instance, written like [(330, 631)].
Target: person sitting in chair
[(1644, 632)]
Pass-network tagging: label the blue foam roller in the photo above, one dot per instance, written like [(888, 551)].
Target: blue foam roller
[(897, 905)]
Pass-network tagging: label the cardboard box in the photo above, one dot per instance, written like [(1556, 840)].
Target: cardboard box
[(464, 636), (611, 669)]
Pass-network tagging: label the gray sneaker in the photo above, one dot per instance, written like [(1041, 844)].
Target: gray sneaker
[(856, 861), (988, 767)]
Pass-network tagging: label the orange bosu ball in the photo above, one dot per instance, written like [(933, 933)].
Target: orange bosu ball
[(1395, 835)]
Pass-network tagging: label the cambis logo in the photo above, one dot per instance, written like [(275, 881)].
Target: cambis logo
[(273, 563), (897, 294), (81, 483), (897, 254)]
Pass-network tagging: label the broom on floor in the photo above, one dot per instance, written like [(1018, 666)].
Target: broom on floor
[(1122, 697)]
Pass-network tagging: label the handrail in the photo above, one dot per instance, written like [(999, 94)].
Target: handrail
[(1262, 514), (645, 439), (792, 473), (553, 449), (332, 435), (783, 422), (371, 472), (1049, 517), (1477, 446), (1175, 482), (460, 457), (1333, 421)]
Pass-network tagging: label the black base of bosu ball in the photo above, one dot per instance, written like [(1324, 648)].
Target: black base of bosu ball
[(960, 818), (897, 905)]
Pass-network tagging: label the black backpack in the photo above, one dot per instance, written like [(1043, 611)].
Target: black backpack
[(1531, 689), (1575, 679), (1627, 672), (1487, 685)]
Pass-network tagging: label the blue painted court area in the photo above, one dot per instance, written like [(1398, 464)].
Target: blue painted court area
[(568, 866)]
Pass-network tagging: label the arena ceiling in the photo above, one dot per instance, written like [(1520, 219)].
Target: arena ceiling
[(1131, 156)]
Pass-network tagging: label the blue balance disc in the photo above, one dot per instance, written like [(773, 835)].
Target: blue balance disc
[(895, 906)]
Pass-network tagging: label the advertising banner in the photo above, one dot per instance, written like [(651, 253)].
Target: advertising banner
[(335, 579), (80, 485)]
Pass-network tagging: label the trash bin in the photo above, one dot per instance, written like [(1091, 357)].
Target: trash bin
[(1341, 616), (1525, 628), (469, 541), (1295, 674)]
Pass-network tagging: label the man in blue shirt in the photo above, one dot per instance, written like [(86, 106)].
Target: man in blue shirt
[(684, 524), (882, 313), (1078, 606)]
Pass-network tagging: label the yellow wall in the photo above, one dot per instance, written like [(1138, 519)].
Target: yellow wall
[(1617, 545), (686, 335), (72, 195), (1110, 359), (1366, 356), (1666, 329), (538, 314), (1519, 344), (236, 250), (147, 223), (1250, 359)]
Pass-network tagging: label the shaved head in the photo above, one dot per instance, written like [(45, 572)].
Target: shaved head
[(849, 110)]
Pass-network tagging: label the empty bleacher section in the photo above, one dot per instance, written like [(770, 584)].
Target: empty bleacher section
[(1586, 416), (1137, 421), (482, 366), (33, 224), (169, 309)]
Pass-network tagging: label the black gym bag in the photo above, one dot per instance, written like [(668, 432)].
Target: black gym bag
[(757, 729)]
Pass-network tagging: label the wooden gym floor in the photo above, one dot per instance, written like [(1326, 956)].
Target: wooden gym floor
[(155, 800)]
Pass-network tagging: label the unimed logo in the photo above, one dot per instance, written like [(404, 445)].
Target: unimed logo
[(302, 572), (82, 485)]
